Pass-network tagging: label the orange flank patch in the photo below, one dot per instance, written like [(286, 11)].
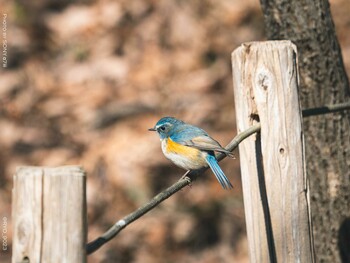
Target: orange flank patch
[(186, 157), (185, 151)]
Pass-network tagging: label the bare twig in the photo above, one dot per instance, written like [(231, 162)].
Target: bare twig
[(190, 176), (326, 109)]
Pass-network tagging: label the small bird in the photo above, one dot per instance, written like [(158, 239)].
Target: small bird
[(190, 147)]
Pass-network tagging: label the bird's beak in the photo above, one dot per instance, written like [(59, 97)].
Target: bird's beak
[(152, 129)]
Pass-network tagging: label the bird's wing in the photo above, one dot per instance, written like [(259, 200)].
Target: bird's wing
[(207, 143), (199, 139)]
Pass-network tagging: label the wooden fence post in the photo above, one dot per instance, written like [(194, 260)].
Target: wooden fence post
[(49, 215), (275, 189)]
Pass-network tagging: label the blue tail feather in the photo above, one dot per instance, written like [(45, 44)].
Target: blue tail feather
[(219, 174)]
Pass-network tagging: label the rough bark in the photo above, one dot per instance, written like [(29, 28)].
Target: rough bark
[(323, 80)]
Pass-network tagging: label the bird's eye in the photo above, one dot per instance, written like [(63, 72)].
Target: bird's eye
[(162, 128)]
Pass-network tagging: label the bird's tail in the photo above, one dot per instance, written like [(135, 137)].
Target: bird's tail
[(219, 174)]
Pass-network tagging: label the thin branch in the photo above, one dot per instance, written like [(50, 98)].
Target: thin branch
[(326, 109), (186, 180)]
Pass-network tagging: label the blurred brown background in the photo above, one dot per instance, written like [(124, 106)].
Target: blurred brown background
[(86, 79)]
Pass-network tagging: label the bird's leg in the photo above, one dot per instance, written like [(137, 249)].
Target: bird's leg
[(185, 175)]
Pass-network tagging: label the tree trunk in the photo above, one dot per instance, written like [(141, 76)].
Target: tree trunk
[(323, 80)]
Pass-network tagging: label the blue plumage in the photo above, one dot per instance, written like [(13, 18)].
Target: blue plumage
[(219, 174), (190, 147)]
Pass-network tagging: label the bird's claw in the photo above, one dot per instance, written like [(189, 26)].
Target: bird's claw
[(188, 179)]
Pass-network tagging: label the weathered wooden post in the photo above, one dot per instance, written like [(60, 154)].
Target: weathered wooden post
[(275, 189), (49, 215)]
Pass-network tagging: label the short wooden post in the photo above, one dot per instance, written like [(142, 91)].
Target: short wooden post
[(274, 182), (49, 215)]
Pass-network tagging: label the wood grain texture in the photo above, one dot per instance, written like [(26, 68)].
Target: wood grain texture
[(323, 81), (49, 214), (272, 162)]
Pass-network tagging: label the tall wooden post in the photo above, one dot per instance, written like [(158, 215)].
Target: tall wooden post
[(49, 215), (275, 186)]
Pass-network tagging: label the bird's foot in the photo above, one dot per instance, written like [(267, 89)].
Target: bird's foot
[(188, 179)]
